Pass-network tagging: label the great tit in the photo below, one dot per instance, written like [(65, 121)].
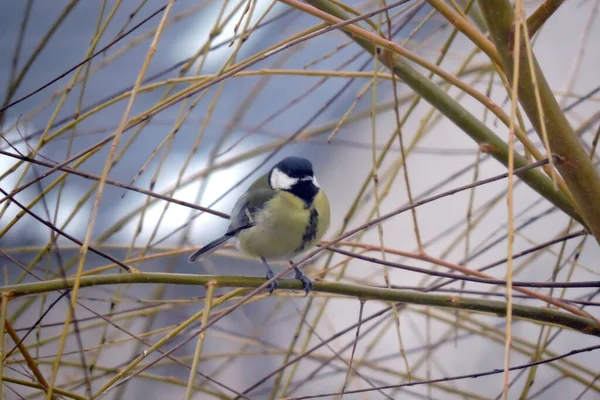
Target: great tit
[(282, 214)]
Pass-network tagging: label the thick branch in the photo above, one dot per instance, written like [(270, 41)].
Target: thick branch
[(537, 314), (432, 93), (577, 168)]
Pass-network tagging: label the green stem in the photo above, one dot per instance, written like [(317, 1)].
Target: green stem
[(538, 314), (575, 167), (445, 104)]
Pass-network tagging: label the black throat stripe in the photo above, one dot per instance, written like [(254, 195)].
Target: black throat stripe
[(305, 190), (311, 229)]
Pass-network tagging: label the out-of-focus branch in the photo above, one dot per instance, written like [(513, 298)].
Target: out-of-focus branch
[(576, 167), (392, 55)]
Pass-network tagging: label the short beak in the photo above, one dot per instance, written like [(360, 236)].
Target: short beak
[(307, 178)]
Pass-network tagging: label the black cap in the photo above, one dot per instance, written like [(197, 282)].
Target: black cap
[(295, 167)]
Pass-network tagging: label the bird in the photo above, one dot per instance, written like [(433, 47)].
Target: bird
[(282, 214)]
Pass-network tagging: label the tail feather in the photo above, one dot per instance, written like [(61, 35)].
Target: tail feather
[(209, 248)]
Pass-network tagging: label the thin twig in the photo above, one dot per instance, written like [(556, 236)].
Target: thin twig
[(360, 313)]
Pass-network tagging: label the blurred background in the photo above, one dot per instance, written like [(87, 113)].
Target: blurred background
[(321, 99)]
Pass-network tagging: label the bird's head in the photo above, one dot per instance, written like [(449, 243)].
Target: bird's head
[(295, 175)]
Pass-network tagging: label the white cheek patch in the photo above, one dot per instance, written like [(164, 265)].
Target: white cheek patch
[(280, 180), (314, 180)]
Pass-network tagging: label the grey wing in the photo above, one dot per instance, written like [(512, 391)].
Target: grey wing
[(246, 208)]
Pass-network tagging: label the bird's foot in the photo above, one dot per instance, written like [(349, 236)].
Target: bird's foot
[(274, 285), (307, 284)]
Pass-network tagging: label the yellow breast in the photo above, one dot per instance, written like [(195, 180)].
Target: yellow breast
[(286, 227)]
